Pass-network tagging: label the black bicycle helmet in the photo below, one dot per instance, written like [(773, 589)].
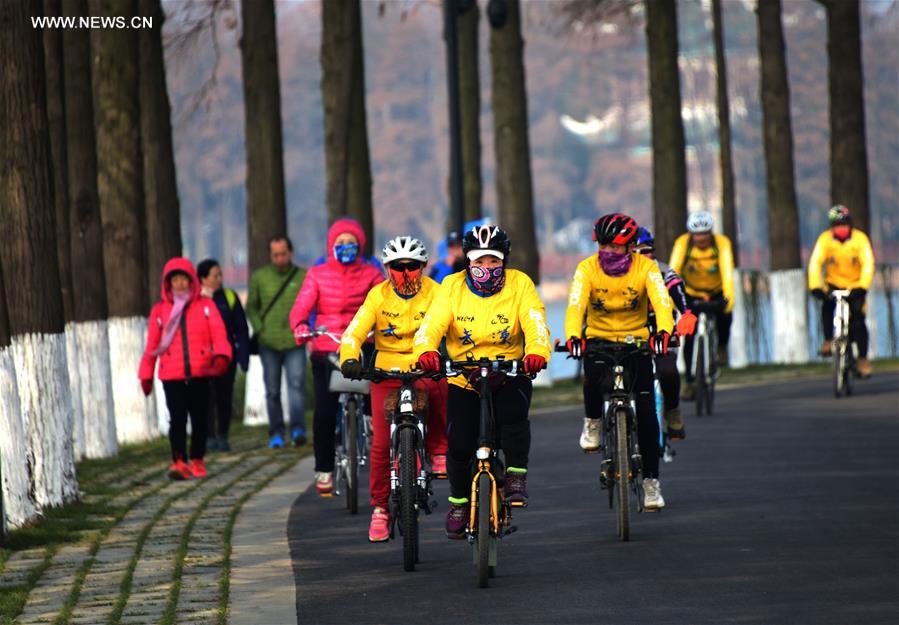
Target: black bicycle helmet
[(484, 239), (616, 229)]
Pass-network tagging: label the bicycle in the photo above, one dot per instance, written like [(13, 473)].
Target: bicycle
[(352, 441), (621, 462), (410, 480), (704, 365), (844, 350), (667, 451), (488, 522)]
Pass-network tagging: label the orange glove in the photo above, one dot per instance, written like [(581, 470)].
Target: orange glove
[(686, 325)]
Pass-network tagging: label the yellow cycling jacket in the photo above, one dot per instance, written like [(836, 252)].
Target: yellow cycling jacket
[(511, 323), (707, 271), (847, 265), (616, 307), (395, 321)]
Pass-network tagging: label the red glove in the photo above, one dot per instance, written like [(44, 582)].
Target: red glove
[(575, 346), (298, 333), (686, 325), (429, 361), (659, 343), (220, 364), (146, 386), (533, 363)]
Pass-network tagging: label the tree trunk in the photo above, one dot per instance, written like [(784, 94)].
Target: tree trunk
[(669, 165), (470, 109), (266, 204), (29, 260), (160, 183), (848, 155), (514, 188), (89, 299), (121, 192), (728, 193), (783, 213), (347, 166)]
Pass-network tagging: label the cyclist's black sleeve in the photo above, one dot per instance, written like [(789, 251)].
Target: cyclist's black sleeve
[(679, 295)]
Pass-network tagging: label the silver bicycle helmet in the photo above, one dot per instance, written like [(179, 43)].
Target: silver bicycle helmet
[(700, 221), (404, 248)]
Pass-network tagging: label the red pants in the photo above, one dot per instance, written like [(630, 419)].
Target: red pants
[(435, 441)]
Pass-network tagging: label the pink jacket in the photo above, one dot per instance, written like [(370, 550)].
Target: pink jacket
[(334, 290), (206, 334)]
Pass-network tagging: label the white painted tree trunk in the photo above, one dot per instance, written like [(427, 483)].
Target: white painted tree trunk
[(789, 316), (78, 443), (135, 415), (162, 409), (16, 459), (255, 411), (46, 404), (95, 380), (738, 354)]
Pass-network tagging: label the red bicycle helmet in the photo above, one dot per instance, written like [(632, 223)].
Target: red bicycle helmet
[(615, 229)]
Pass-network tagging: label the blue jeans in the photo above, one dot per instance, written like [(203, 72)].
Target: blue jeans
[(293, 362)]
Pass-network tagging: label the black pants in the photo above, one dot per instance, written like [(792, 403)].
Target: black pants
[(722, 325), (220, 403), (511, 402), (325, 416), (183, 398), (598, 382), (669, 379), (858, 331)]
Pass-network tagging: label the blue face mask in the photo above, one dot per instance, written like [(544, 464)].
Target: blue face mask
[(346, 253)]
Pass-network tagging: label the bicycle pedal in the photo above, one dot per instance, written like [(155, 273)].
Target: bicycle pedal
[(509, 530)]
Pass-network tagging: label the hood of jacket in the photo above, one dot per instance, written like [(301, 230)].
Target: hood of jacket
[(345, 224), (179, 264)]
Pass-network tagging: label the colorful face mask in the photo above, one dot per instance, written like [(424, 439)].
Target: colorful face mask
[(487, 281), (405, 278), (346, 253), (841, 232), (613, 263)]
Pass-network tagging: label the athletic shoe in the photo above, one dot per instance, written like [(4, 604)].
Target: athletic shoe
[(298, 436), (276, 442), (179, 471), (438, 464), (864, 368), (687, 392), (456, 519), (652, 495), (676, 429), (826, 348), (324, 483), (224, 445), (591, 435), (378, 530), (198, 468), (212, 444), (515, 489)]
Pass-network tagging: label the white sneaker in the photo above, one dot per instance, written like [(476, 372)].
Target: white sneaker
[(590, 437), (324, 483), (652, 495)]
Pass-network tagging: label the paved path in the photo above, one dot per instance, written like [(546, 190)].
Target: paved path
[(166, 554), (783, 508)]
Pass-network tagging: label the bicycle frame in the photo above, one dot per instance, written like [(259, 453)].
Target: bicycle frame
[(844, 350), (705, 342), (841, 316)]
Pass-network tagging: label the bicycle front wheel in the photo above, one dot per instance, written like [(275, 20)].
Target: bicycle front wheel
[(700, 381), (839, 367), (408, 513), (352, 468), (485, 500), (623, 486)]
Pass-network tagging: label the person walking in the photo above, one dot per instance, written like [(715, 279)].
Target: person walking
[(333, 291), (186, 333), (231, 311), (273, 289)]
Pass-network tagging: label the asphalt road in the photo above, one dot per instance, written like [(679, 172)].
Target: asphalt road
[(783, 508)]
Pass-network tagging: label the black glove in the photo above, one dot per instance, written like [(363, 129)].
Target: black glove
[(659, 342), (352, 369), (818, 294), (857, 293)]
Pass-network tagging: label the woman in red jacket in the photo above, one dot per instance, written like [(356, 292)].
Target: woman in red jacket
[(186, 332), (334, 291)]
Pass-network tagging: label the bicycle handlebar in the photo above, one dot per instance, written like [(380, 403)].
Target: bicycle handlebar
[(500, 365), (379, 375)]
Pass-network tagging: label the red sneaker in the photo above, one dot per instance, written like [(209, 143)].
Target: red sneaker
[(198, 468), (179, 471)]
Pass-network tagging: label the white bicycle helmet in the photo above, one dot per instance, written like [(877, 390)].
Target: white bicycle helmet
[(700, 221), (404, 248)]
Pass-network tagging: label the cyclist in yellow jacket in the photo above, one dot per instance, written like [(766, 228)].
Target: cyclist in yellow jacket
[(613, 289), (705, 261), (488, 311), (845, 254), (395, 310)]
